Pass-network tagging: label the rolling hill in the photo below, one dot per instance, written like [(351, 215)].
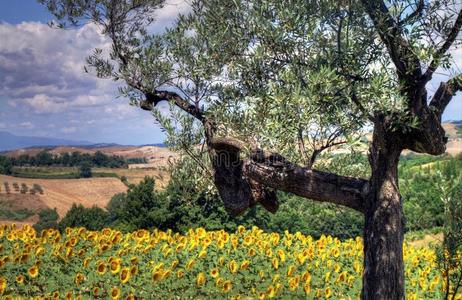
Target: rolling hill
[(10, 141)]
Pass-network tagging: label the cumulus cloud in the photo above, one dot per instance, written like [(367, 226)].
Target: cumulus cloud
[(43, 67), (43, 83)]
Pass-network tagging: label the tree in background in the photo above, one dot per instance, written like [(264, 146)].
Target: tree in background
[(6, 166), (93, 218), (85, 170), (48, 218), (140, 207), (247, 77)]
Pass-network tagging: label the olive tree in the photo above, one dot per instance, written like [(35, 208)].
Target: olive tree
[(266, 87)]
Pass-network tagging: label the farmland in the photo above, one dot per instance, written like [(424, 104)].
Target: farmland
[(62, 193)]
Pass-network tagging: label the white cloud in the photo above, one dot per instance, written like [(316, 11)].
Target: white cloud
[(68, 130), (27, 125), (43, 67), (44, 104)]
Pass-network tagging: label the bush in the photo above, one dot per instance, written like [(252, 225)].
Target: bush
[(93, 218), (140, 207), (24, 188), (48, 218), (38, 188), (6, 166), (85, 170)]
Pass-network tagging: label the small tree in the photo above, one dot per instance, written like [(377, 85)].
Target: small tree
[(48, 218), (24, 188), (85, 170), (6, 166)]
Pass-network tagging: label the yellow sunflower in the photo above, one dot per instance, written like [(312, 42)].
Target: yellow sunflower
[(79, 278), (69, 295), (133, 270), (227, 286), (33, 271), (20, 279), (56, 295), (275, 263), (180, 273), (214, 273), (233, 266), (245, 264), (271, 292), (200, 280), (115, 293), (115, 266), (125, 275), (3, 283), (101, 268), (328, 292), (156, 276), (130, 297)]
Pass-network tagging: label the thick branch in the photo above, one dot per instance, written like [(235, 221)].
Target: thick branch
[(274, 171), (152, 99), (444, 94), (444, 48)]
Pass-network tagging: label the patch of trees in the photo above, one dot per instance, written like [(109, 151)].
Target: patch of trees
[(74, 159)]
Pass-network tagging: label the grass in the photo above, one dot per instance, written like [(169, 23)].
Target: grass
[(55, 173), (420, 234), (459, 129), (7, 213)]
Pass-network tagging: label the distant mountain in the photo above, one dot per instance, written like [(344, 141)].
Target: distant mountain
[(456, 122), (10, 141)]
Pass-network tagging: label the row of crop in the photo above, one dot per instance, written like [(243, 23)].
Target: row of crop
[(23, 188)]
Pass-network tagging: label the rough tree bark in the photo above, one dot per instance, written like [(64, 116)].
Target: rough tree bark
[(383, 229)]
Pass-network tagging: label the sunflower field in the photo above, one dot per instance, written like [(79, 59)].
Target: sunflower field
[(250, 264)]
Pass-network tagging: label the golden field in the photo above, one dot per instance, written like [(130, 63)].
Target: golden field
[(62, 193)]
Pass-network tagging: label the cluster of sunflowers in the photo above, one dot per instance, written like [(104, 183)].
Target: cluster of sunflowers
[(200, 264)]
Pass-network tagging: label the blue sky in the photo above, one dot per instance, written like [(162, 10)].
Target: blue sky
[(44, 91)]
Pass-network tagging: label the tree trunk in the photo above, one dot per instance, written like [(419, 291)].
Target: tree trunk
[(383, 276)]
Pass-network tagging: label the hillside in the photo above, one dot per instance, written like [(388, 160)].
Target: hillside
[(60, 193), (155, 155), (10, 141)]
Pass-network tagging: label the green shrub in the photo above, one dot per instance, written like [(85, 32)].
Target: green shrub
[(48, 218), (93, 218), (6, 165), (85, 170)]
